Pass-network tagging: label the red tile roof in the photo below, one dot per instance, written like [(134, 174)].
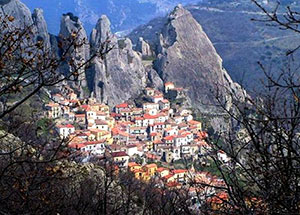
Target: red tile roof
[(160, 169), (194, 122), (65, 126), (85, 107), (177, 171), (165, 101), (169, 138), (132, 164), (152, 165), (100, 122), (123, 105), (119, 154), (147, 116), (80, 115), (169, 83)]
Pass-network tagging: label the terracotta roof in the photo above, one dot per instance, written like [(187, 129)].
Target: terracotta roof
[(165, 101), (85, 107), (147, 116), (52, 105), (177, 171), (115, 115), (100, 122), (123, 105), (159, 123), (100, 113), (132, 164), (169, 83), (94, 142), (179, 89), (79, 115), (169, 138), (76, 145), (131, 146), (125, 110), (153, 134), (152, 165), (194, 122), (119, 154), (65, 126), (160, 169)]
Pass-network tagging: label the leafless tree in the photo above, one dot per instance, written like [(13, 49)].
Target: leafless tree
[(263, 174)]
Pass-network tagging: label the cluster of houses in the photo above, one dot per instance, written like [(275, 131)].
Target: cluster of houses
[(154, 130), (189, 180)]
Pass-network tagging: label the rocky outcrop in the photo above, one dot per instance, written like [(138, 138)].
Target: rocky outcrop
[(144, 48), (15, 8), (41, 28), (120, 74), (101, 33), (23, 19), (71, 25), (188, 58), (154, 80)]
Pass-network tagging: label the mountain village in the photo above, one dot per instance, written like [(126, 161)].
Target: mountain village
[(154, 133)]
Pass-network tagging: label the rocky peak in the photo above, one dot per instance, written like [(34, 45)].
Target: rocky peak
[(18, 10), (41, 27), (101, 32), (178, 12), (143, 47), (23, 19), (120, 74), (188, 58), (71, 24)]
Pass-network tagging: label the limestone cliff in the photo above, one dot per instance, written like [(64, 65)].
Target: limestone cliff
[(70, 25), (144, 48), (24, 19), (188, 58), (18, 10), (41, 27), (120, 74)]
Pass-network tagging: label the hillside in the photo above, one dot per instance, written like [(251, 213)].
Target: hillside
[(239, 41)]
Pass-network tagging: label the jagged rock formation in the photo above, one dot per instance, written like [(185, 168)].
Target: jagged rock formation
[(71, 24), (144, 48), (18, 10), (120, 74), (41, 27), (24, 19), (101, 33), (188, 58), (154, 80), (185, 57)]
